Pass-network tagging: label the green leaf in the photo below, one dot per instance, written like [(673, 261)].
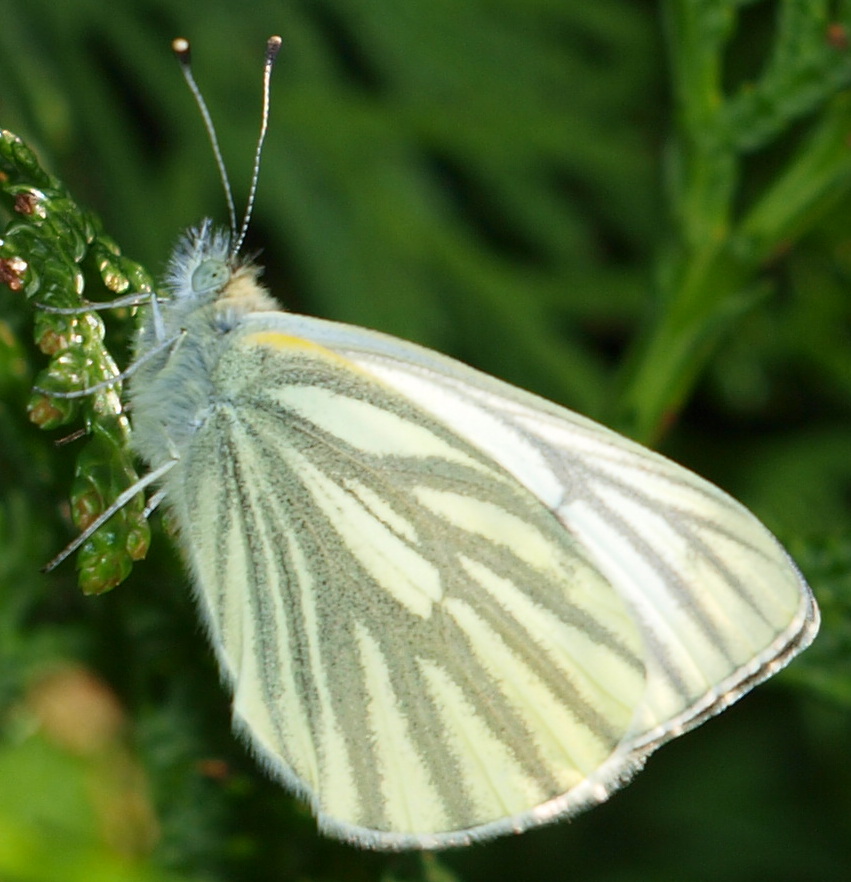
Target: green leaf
[(49, 241)]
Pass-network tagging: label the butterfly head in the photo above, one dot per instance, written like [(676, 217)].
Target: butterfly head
[(203, 269), (201, 263)]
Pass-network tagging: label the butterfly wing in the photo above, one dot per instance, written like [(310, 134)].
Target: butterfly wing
[(448, 608), (702, 575)]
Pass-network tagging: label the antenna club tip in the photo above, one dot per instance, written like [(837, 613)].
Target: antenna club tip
[(273, 45), (180, 47)]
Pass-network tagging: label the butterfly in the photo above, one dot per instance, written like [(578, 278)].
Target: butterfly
[(446, 608)]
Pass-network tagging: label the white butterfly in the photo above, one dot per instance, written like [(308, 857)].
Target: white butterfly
[(447, 609)]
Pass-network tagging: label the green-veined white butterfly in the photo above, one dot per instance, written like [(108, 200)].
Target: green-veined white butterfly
[(447, 609)]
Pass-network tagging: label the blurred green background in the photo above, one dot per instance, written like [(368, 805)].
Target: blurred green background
[(638, 209)]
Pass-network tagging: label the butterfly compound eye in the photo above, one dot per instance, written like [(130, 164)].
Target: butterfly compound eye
[(210, 275)]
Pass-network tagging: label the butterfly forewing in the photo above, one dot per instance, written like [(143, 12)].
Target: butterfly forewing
[(719, 603)]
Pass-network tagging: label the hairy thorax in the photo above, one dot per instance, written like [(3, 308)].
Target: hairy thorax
[(172, 391)]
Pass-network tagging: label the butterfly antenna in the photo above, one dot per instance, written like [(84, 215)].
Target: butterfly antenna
[(273, 46), (181, 49)]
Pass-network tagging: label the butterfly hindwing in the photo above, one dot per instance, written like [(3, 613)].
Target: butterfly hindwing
[(374, 573)]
